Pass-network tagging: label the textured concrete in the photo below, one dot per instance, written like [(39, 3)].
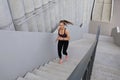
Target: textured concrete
[(29, 9), (106, 28), (18, 14), (37, 3), (6, 22), (102, 11), (107, 60), (116, 35), (44, 15)]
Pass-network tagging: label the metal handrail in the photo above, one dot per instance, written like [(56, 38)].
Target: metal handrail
[(84, 68)]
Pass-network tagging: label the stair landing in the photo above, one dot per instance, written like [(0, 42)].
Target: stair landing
[(107, 60)]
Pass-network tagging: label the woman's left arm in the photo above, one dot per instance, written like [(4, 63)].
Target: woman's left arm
[(68, 35)]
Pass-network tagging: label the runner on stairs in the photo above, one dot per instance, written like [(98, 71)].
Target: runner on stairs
[(63, 39)]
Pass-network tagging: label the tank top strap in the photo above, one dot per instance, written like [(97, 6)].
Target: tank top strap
[(65, 31), (58, 31)]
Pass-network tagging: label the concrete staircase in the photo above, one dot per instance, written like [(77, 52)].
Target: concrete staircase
[(55, 71), (106, 65), (107, 60), (52, 71)]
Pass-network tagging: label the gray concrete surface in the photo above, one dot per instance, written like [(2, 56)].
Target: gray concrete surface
[(116, 35), (106, 27), (22, 51), (54, 71), (107, 60)]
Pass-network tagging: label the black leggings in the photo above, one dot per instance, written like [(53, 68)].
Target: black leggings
[(62, 45)]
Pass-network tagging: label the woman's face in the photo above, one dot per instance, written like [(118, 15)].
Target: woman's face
[(61, 25)]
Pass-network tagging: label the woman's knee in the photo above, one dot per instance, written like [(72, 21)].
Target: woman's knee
[(64, 52)]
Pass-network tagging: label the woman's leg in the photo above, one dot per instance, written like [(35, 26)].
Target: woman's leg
[(65, 47), (60, 44)]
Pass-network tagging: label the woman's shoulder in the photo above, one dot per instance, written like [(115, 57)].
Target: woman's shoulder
[(58, 28), (66, 30)]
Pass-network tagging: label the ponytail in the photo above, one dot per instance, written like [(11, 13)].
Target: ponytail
[(65, 22)]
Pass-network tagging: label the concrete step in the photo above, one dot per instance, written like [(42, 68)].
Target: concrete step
[(54, 71), (69, 61), (68, 64), (20, 78), (50, 76), (58, 68), (31, 76), (61, 65)]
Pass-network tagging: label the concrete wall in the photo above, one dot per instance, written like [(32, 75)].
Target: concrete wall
[(116, 13), (107, 27), (20, 52), (5, 16), (88, 4), (43, 15)]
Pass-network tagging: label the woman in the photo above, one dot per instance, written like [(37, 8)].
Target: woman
[(63, 39)]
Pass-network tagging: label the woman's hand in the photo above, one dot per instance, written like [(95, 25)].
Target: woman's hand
[(59, 38)]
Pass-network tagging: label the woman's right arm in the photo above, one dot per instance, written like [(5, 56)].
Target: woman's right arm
[(58, 37)]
